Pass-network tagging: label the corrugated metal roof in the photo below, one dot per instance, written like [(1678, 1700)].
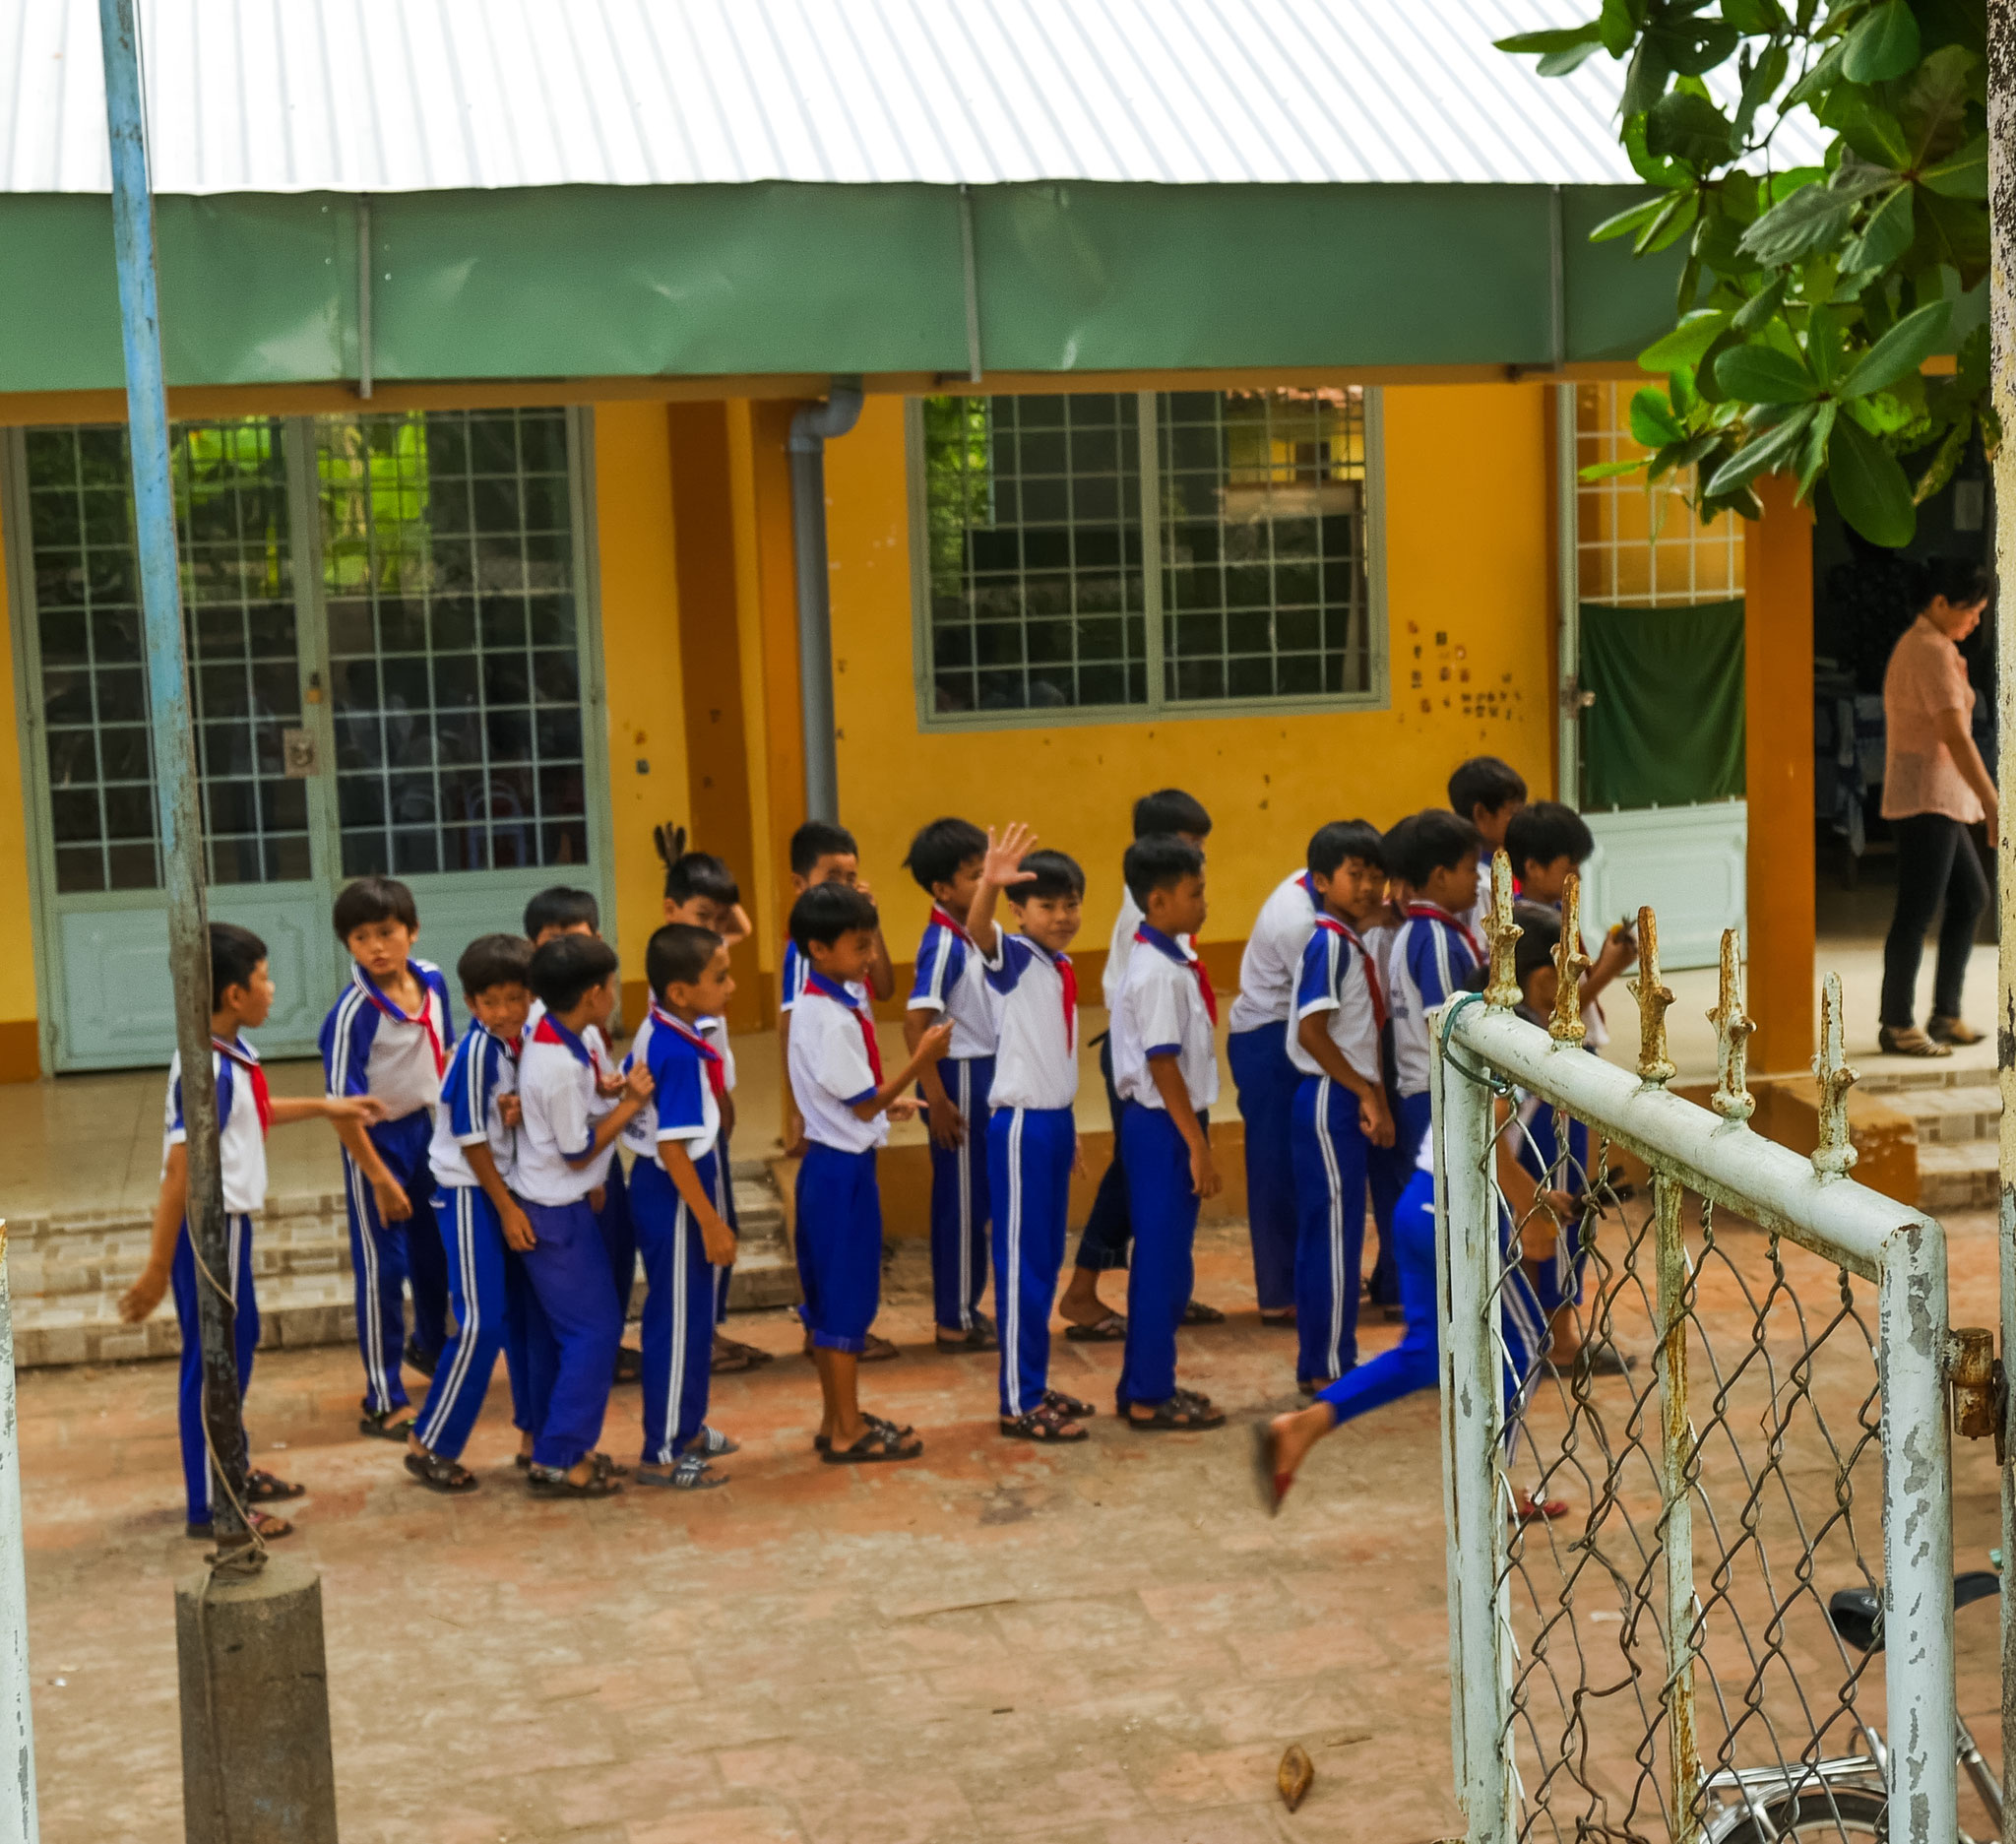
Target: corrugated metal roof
[(409, 96)]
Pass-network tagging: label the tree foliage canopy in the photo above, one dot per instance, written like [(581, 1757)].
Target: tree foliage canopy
[(1811, 295)]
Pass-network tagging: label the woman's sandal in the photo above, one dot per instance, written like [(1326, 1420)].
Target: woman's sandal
[(380, 1425), (1043, 1423), (263, 1489), (1185, 1412), (875, 1445), (550, 1482), (1110, 1330), (438, 1473), (1196, 1313), (1943, 1029), (1069, 1405), (270, 1528), (895, 1430), (1908, 1042)]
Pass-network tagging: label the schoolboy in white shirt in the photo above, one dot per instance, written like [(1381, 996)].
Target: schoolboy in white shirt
[(1436, 855), (241, 997), (567, 1136), (945, 859), (389, 1036), (1488, 792), (1166, 1068), (1033, 1133), (836, 1073), (1340, 1106)]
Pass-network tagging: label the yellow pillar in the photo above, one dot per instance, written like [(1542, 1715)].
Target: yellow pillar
[(1778, 738)]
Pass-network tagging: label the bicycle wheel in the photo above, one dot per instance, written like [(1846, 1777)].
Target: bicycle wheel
[(1820, 1817)]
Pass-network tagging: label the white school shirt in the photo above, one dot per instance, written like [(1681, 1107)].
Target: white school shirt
[(682, 1105), (482, 1070), (1433, 953), (556, 1091), (241, 1135), (797, 969), (370, 1046), (1337, 977), (715, 1032), (1272, 965), (952, 981), (830, 1067), (1125, 926), (1161, 1009), (1036, 1063), (591, 1035)]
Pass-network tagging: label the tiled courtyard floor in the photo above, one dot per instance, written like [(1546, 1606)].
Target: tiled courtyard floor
[(1106, 1644)]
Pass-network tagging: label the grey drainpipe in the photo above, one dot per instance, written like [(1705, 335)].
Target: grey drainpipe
[(811, 428)]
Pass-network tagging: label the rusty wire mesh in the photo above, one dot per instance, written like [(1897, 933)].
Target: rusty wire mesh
[(1775, 1437)]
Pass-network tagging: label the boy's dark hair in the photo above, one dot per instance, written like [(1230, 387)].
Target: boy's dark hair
[(369, 900), (817, 839), (1544, 831), (494, 961), (560, 906), (1484, 782), (1541, 934), (1343, 839), (1961, 580), (1057, 875), (690, 874), (678, 954), (1170, 809), (1158, 863), (1393, 847), (1434, 839), (827, 911), (234, 957), (569, 966), (941, 847)]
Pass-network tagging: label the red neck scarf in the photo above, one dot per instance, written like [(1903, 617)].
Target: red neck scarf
[(1351, 935), (1457, 922), (944, 921), (819, 984), (1154, 938), (256, 1076), (424, 1017), (710, 1057)]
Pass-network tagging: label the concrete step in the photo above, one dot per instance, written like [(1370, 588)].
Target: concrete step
[(66, 1277), (1949, 1113), (1957, 1174)]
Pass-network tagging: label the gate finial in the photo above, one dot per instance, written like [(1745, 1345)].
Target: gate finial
[(1570, 964), (1652, 997), (1502, 933), (1731, 1100), (1836, 1151)]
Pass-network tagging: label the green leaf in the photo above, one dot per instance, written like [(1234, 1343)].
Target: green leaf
[(1755, 16), (1658, 172), (1876, 135), (1672, 224), (1689, 128), (1824, 347), (1759, 375), (1618, 27), (1564, 39), (1813, 455), (1953, 231), (1653, 424), (1645, 80), (1562, 63), (1686, 342), (1944, 461), (1961, 175), (1692, 47), (1815, 216), (1625, 222), (1820, 78), (1885, 45), (1760, 86), (1759, 308), (1762, 454), (1885, 237), (1933, 110), (1608, 470), (1869, 486), (1900, 351)]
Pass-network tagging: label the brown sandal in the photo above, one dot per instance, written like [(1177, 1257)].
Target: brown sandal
[(1909, 1040), (1043, 1423), (1943, 1029)]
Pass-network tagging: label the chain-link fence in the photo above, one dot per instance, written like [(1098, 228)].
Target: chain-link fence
[(1696, 1444)]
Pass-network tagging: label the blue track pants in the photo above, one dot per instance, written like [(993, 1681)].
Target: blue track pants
[(388, 1257), (1267, 1083), (1028, 1171), (1163, 1207), (959, 1198), (680, 1288), (472, 1239), (183, 1282), (1330, 1208)]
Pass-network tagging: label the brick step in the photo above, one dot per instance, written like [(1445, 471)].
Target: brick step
[(1957, 1174), (65, 1282), (1955, 1114)]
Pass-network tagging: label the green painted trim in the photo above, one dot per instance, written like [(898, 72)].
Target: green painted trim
[(648, 280)]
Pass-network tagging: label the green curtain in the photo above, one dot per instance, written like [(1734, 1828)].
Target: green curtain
[(1666, 727)]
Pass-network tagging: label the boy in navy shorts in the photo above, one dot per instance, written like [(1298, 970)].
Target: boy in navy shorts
[(1032, 1131), (241, 997), (570, 1115), (836, 1073), (389, 1036), (473, 1156), (678, 1197), (946, 859), (1166, 1068)]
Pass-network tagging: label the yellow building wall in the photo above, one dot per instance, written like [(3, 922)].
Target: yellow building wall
[(1470, 667), (640, 608), (21, 1058)]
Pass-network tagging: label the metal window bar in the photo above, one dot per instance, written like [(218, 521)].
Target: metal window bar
[(1660, 1663)]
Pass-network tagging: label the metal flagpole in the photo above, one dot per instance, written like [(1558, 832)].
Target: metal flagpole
[(176, 793)]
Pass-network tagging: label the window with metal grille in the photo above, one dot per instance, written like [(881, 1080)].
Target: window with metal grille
[(448, 566), (237, 592), (1107, 554)]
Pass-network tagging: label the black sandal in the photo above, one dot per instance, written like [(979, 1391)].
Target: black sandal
[(1176, 1416), (438, 1473), (551, 1482), (875, 1445), (1069, 1405), (1044, 1423), (980, 1336), (1196, 1313), (380, 1425), (895, 1430), (263, 1489), (1110, 1330)]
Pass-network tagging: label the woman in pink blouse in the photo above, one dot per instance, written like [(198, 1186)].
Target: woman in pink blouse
[(1935, 786)]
